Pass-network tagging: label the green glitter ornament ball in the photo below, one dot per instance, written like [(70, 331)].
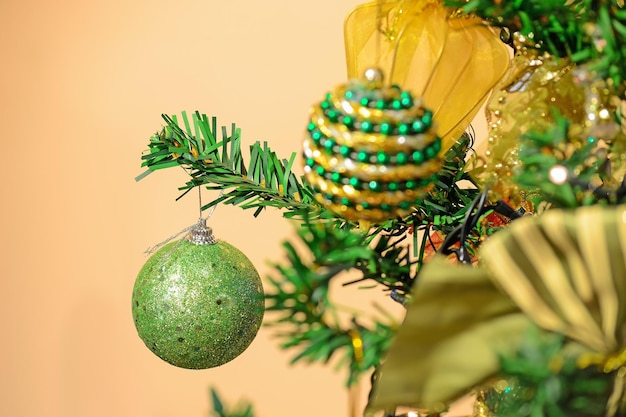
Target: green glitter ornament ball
[(198, 306)]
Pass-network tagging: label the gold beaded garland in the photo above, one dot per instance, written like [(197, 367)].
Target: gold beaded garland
[(371, 151)]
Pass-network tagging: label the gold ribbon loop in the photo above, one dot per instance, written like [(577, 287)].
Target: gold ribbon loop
[(453, 62)]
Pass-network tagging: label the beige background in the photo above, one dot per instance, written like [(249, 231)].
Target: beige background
[(83, 86)]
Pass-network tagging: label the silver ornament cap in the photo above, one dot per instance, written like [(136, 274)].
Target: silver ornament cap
[(201, 234)]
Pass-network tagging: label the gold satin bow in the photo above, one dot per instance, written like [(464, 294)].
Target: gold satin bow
[(563, 271), (452, 62)]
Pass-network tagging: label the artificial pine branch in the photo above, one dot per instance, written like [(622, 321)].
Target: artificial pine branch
[(266, 181), (299, 294), (300, 297), (585, 31), (583, 161), (545, 378)]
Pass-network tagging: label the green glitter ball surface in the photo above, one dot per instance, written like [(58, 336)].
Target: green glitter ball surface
[(198, 306)]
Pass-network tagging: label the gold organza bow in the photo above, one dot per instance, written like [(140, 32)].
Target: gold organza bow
[(452, 62), (564, 271)]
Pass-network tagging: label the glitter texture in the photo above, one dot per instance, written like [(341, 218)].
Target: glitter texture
[(198, 306)]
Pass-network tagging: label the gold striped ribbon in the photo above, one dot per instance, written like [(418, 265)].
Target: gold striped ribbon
[(564, 271)]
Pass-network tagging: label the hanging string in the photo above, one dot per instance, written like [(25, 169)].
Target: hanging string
[(212, 210), (201, 223), (200, 201)]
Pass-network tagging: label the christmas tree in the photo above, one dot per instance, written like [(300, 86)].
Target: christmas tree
[(511, 264)]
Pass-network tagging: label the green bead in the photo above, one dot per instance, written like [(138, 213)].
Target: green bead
[(367, 126), (344, 150), (316, 136), (385, 207), (345, 201), (320, 170), (374, 185), (310, 127), (382, 157), (436, 145), (329, 144), (406, 102), (310, 162), (418, 157), (396, 104), (355, 182), (333, 115), (325, 105), (197, 306), (386, 128), (430, 152), (427, 118), (401, 158), (418, 126), (403, 129), (393, 186), (348, 121), (380, 104), (335, 177), (404, 205), (365, 205), (410, 184), (349, 94), (362, 156), (364, 101)]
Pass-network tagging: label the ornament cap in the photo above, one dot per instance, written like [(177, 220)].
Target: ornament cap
[(201, 234), (374, 76)]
